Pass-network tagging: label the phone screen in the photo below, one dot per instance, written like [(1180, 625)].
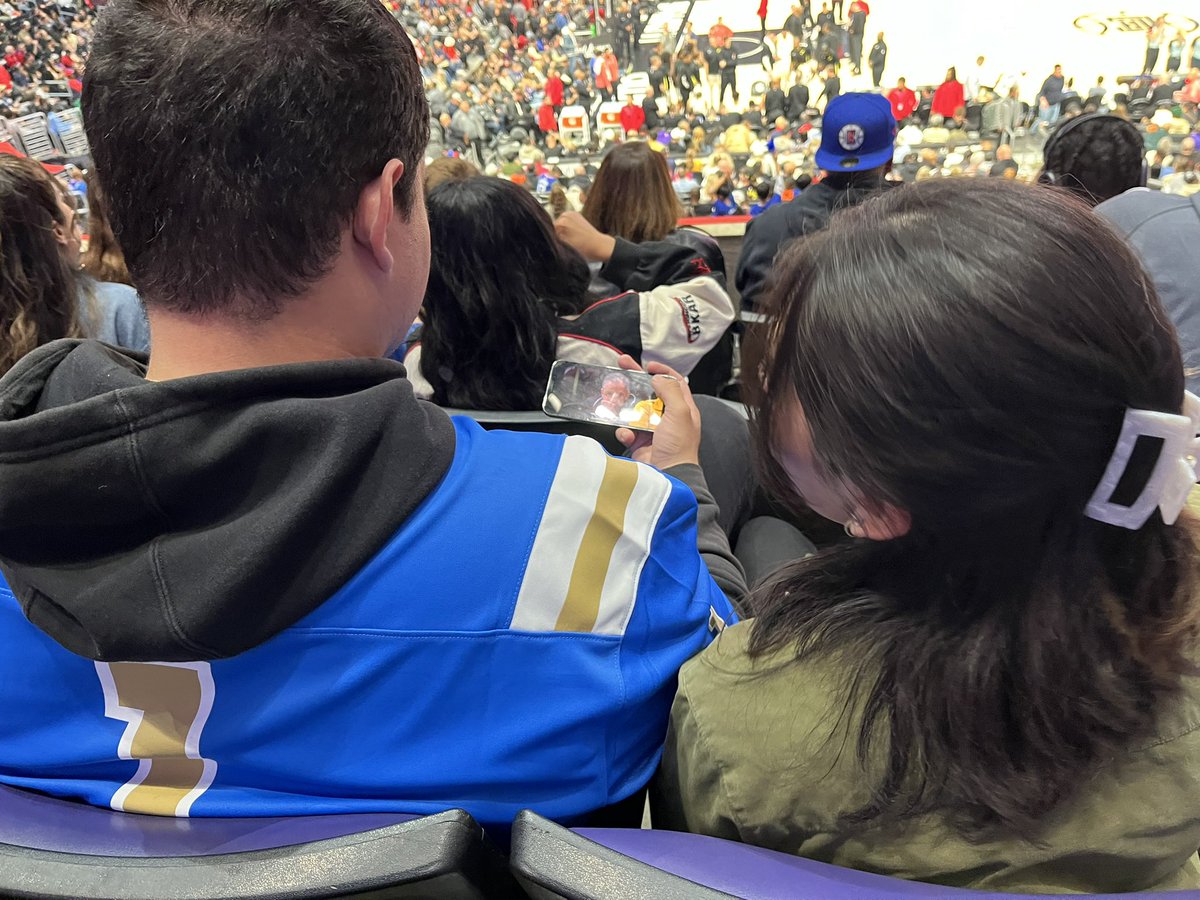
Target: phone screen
[(602, 394)]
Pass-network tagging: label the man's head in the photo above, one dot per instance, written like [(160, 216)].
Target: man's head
[(1058, 71), (979, 60), (1095, 157), (614, 392), (248, 146), (901, 83), (858, 134)]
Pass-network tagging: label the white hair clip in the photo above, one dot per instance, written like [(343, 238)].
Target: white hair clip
[(1173, 476)]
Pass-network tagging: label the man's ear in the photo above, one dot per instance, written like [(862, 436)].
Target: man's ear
[(375, 211)]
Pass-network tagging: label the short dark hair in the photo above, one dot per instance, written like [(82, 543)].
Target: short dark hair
[(1095, 159), (233, 137)]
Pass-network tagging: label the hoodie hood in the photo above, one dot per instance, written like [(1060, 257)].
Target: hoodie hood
[(196, 518)]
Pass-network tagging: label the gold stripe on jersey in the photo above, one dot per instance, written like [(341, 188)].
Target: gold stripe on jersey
[(607, 524)]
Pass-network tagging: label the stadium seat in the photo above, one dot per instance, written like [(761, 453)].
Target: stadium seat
[(554, 863), (34, 134), (974, 117), (52, 848)]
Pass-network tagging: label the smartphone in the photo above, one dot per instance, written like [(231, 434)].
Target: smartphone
[(602, 394)]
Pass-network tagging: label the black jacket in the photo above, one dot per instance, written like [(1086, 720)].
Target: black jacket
[(195, 518), (768, 233), (797, 101), (775, 103), (653, 117)]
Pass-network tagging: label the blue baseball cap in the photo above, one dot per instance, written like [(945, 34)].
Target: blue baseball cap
[(858, 132)]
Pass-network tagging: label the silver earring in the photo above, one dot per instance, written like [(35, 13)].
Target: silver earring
[(853, 528)]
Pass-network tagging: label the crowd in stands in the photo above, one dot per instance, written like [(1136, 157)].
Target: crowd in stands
[(267, 570), (45, 47), (498, 80)]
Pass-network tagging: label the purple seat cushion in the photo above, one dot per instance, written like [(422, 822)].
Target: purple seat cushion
[(757, 874), (38, 822)]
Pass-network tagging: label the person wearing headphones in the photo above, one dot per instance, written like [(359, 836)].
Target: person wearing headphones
[(1095, 157)]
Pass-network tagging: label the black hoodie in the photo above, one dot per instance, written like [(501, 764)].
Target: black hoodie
[(195, 518)]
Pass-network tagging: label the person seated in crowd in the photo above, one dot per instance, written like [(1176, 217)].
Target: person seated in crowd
[(1095, 157), (490, 333), (993, 684), (1160, 159), (43, 293), (633, 199), (764, 198), (448, 168), (858, 137), (1164, 230), (256, 576), (724, 203)]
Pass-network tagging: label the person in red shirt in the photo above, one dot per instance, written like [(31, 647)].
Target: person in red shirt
[(720, 34), (762, 16), (949, 96), (547, 120), (13, 57), (610, 74), (554, 89), (633, 117), (903, 100)]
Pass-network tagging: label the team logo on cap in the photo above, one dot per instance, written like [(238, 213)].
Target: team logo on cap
[(851, 137)]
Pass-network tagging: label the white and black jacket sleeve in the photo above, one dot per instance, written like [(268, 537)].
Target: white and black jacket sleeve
[(683, 310)]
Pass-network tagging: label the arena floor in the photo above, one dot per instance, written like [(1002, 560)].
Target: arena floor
[(1020, 38)]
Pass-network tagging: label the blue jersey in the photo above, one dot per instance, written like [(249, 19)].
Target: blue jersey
[(515, 644)]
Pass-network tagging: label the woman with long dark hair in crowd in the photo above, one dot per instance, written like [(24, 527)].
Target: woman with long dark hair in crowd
[(43, 296), (994, 683), (508, 295)]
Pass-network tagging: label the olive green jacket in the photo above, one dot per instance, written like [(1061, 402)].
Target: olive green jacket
[(756, 754)]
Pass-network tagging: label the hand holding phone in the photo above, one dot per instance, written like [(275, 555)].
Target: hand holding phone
[(656, 416), (676, 440)]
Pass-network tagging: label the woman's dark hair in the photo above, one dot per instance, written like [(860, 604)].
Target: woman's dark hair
[(632, 197), (1008, 644), (38, 289), (499, 279), (103, 259), (1095, 159)]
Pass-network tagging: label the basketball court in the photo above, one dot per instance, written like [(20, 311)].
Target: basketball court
[(1021, 39)]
